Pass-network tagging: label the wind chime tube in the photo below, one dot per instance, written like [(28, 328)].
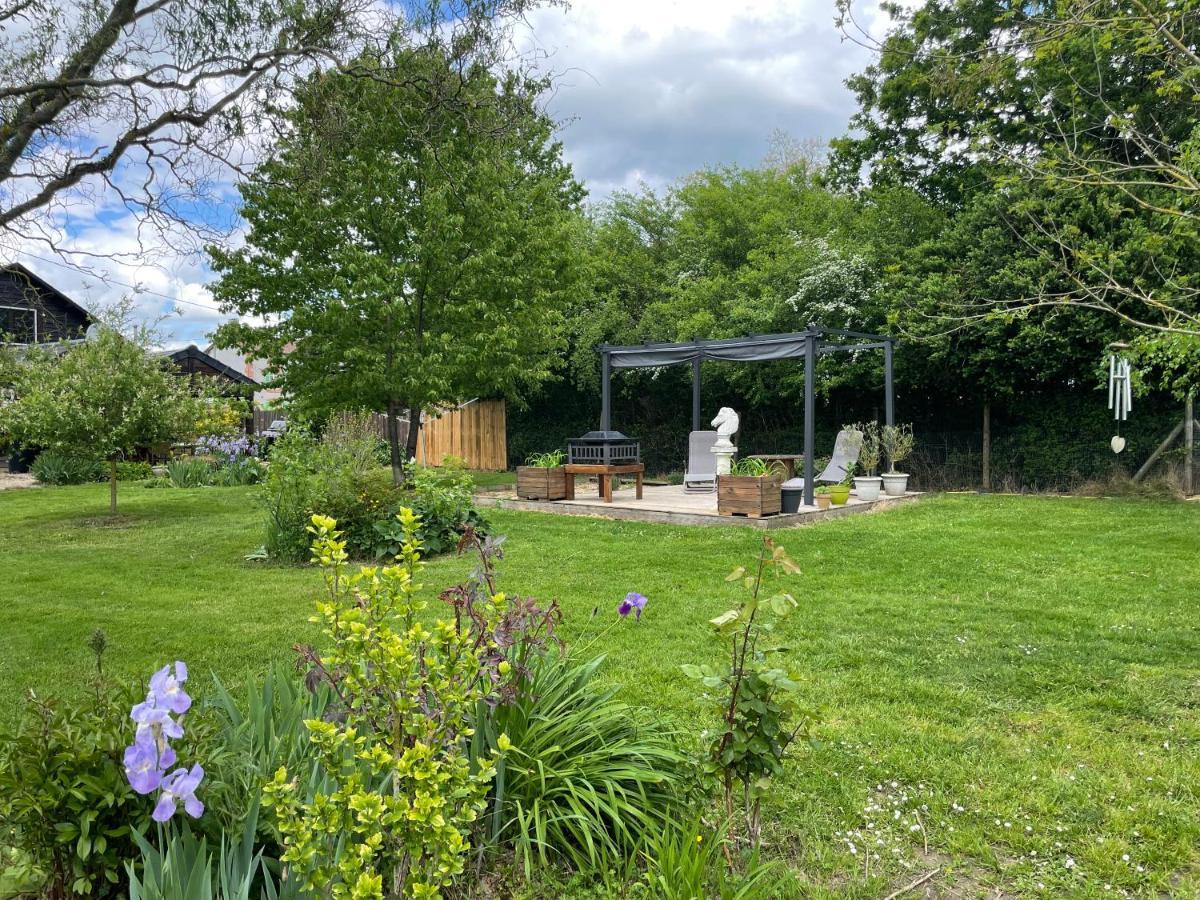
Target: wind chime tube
[(1112, 380), (1128, 391)]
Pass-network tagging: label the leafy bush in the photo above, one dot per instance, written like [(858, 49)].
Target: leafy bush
[(65, 804), (339, 476), (52, 467), (406, 692), (585, 782), (134, 471), (190, 472)]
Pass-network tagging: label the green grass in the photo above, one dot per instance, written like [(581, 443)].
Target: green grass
[(1018, 677)]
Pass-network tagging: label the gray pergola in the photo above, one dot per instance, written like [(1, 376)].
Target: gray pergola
[(806, 345)]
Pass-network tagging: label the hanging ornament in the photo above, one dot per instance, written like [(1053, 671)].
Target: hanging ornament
[(1120, 396)]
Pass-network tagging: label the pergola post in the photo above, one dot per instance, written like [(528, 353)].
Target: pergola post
[(696, 394), (889, 387), (605, 390), (810, 413)]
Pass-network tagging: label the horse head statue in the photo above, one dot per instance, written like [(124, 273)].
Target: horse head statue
[(726, 423)]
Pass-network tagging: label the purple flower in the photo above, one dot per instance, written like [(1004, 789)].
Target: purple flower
[(633, 602), (155, 724), (142, 766), (180, 785), (167, 691)]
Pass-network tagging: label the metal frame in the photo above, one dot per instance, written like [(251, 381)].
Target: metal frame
[(812, 342)]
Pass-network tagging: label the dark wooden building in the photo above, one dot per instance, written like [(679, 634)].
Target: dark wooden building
[(33, 311), (191, 360)]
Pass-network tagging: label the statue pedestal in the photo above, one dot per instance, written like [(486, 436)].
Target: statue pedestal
[(724, 451)]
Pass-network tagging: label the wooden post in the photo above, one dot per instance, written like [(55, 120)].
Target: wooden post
[(1189, 444), (987, 446)]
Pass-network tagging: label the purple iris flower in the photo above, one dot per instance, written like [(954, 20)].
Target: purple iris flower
[(633, 602), (166, 689), (142, 766), (155, 724), (180, 785)]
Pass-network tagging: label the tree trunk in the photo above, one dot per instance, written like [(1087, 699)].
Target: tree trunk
[(393, 436), (1189, 444), (414, 430), (112, 487), (987, 446)]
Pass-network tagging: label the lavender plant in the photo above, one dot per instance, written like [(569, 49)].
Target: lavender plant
[(760, 713), (400, 792)]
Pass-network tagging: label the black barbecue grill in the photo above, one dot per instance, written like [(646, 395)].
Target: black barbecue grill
[(603, 448)]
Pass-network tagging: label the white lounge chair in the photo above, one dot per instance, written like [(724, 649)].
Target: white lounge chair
[(846, 448), (701, 473)]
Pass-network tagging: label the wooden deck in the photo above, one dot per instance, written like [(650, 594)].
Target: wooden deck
[(672, 505)]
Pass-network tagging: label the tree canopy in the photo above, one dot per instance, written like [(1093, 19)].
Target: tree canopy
[(404, 253)]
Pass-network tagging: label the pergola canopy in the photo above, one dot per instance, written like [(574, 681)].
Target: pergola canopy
[(806, 345)]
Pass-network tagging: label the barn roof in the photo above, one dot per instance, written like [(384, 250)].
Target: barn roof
[(46, 288), (192, 353)]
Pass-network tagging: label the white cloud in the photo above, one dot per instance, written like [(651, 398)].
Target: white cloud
[(648, 91), (651, 90)]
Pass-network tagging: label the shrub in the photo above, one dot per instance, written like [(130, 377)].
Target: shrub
[(53, 467), (65, 804), (403, 791), (134, 471), (339, 476)]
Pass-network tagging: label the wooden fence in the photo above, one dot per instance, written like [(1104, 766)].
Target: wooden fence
[(476, 432)]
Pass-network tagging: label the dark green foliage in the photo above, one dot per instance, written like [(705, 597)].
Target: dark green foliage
[(588, 780), (53, 467), (134, 471), (64, 802), (190, 472), (339, 475)]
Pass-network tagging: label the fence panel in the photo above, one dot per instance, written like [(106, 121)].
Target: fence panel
[(475, 432)]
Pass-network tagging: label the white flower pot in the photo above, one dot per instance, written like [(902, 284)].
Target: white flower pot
[(866, 487), (895, 483)]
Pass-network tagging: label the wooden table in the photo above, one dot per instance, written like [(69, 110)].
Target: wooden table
[(606, 475), (789, 461)]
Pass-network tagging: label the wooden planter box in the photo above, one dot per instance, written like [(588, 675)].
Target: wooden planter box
[(536, 483), (746, 495)]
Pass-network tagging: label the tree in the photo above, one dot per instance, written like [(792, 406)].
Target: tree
[(1075, 124), (102, 398), (403, 254), (150, 102)]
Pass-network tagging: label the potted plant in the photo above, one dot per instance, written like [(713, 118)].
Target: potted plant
[(868, 485), (840, 493), (752, 488), (821, 495), (897, 443), (543, 477)]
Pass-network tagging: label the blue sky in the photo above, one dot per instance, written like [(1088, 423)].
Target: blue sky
[(646, 91)]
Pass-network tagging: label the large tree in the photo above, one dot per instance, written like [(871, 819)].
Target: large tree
[(102, 398), (1074, 126), (404, 253), (149, 103)]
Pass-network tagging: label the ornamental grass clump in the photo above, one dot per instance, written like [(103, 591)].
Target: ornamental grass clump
[(399, 794)]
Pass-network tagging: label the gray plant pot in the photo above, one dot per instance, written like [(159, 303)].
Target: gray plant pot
[(895, 483), (867, 487)]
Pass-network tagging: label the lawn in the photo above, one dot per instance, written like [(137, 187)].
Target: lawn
[(1007, 689)]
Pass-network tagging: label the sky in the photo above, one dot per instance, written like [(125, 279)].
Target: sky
[(646, 91)]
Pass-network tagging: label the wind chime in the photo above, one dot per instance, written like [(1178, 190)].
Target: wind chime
[(1120, 396)]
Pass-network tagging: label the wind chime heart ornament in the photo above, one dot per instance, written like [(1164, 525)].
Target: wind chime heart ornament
[(1120, 396)]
